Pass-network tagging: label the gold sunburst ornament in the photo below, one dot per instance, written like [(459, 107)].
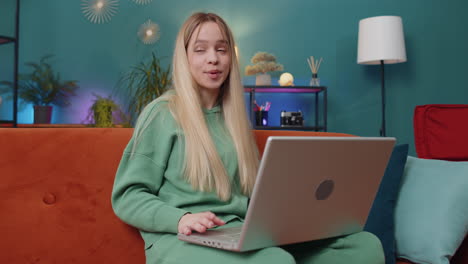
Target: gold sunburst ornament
[(142, 2), (149, 32), (99, 11)]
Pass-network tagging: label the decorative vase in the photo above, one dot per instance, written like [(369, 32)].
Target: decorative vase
[(315, 81), (263, 79), (42, 114)]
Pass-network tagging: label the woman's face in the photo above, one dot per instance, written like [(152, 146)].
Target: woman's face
[(209, 57)]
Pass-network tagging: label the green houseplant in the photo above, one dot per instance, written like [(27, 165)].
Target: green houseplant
[(144, 83), (103, 111), (43, 87)]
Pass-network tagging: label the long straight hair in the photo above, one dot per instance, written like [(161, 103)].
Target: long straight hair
[(203, 167)]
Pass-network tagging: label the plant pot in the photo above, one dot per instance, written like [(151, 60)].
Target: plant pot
[(42, 114), (263, 79)]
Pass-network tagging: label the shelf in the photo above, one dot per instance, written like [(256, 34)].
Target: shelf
[(6, 40), (7, 121), (14, 40), (5, 124), (284, 89), (51, 126), (317, 91), (314, 128)]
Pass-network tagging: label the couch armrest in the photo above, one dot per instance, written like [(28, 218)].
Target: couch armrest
[(440, 131)]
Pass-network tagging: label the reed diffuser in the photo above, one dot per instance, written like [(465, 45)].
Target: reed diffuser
[(314, 67)]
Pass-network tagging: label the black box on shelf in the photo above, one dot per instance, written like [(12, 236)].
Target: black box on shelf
[(291, 119)]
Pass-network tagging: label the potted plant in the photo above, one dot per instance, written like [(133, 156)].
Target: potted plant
[(144, 83), (103, 111), (43, 87), (263, 62)]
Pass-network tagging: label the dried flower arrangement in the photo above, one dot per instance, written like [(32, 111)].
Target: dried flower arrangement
[(263, 62), (314, 66)]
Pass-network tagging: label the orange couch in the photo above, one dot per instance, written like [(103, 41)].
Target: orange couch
[(56, 186)]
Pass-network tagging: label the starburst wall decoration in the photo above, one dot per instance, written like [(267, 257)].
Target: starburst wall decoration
[(149, 32), (142, 2), (99, 11)]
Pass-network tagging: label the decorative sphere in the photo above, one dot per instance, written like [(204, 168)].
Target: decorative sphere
[(286, 79)]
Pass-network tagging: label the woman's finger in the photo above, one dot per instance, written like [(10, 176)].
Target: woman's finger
[(207, 222), (218, 221), (198, 227), (210, 215)]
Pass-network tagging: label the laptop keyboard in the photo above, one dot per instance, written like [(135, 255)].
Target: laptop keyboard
[(231, 234)]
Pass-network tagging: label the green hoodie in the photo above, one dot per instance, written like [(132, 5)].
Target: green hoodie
[(150, 191)]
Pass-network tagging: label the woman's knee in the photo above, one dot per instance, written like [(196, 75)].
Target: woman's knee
[(366, 239), (367, 246), (273, 255)]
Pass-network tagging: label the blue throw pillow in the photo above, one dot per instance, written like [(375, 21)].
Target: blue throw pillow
[(381, 217), (431, 214)]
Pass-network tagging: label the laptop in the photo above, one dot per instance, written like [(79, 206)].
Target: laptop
[(307, 188)]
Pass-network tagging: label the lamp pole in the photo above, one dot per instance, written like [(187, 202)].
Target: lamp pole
[(381, 41), (382, 129)]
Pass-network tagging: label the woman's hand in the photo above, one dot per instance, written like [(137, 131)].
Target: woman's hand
[(199, 222)]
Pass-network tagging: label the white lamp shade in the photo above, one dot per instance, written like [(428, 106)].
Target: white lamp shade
[(381, 38)]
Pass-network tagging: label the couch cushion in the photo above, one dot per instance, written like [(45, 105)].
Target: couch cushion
[(431, 214), (56, 189), (440, 131), (381, 217)]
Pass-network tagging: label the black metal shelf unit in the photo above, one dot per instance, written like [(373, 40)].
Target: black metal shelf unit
[(317, 90), (9, 40)]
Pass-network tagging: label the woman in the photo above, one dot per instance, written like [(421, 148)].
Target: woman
[(191, 162)]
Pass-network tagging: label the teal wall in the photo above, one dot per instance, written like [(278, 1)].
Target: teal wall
[(435, 34)]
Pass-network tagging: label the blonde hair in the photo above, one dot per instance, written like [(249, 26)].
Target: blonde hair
[(203, 167)]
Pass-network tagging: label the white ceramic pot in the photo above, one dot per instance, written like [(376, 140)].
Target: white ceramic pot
[(263, 79)]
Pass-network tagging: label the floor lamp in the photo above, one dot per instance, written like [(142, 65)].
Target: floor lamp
[(381, 41)]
